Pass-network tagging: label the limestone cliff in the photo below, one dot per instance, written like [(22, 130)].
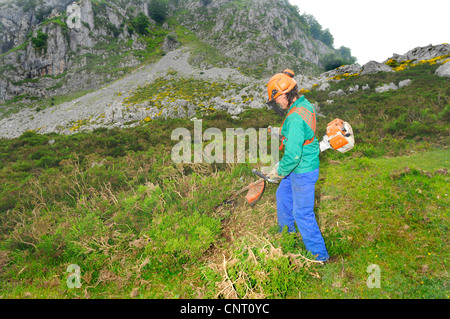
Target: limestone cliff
[(46, 50)]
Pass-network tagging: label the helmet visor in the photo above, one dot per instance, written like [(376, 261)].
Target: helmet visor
[(274, 105)]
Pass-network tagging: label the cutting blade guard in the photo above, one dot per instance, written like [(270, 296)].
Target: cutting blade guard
[(255, 192)]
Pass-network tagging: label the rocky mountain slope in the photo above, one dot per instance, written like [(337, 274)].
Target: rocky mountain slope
[(55, 47), (255, 32), (106, 107), (118, 67), (44, 55), (118, 105)]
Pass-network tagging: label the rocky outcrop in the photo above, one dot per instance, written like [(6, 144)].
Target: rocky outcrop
[(444, 70), (51, 60), (252, 32), (18, 18), (345, 69), (372, 67), (64, 61), (422, 53), (106, 108), (404, 83), (386, 87)]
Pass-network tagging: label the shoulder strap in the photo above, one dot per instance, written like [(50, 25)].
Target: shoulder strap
[(308, 116)]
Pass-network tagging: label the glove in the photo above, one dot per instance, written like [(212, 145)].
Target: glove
[(274, 174)]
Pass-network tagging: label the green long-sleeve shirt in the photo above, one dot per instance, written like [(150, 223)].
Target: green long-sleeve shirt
[(298, 158)]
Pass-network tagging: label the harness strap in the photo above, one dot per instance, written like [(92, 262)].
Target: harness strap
[(310, 119)]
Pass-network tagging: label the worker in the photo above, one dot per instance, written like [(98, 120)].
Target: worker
[(298, 170)]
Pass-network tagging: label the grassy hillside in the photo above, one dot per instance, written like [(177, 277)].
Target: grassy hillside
[(139, 226)]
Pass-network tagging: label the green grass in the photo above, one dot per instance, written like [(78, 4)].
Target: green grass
[(111, 203), (392, 213)]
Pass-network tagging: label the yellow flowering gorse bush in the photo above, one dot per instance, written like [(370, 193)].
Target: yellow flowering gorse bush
[(409, 63)]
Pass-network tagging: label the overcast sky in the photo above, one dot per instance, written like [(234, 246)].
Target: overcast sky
[(375, 30)]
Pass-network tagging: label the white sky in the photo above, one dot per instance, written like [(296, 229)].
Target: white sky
[(375, 30)]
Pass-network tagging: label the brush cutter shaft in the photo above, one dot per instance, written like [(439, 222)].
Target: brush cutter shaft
[(259, 174), (339, 136)]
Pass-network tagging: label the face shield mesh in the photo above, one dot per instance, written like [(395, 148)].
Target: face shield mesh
[(276, 107)]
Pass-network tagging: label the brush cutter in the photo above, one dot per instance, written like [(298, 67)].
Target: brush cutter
[(339, 137)]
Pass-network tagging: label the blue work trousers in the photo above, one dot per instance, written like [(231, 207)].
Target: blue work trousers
[(295, 205)]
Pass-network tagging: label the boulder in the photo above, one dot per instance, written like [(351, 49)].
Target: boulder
[(350, 68), (353, 88), (337, 93), (256, 105), (404, 83), (375, 67), (443, 70), (324, 86), (386, 87), (170, 42)]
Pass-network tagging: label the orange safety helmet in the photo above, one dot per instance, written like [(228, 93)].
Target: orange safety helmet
[(280, 83)]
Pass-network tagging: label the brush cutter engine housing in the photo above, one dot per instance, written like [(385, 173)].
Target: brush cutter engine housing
[(339, 137)]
